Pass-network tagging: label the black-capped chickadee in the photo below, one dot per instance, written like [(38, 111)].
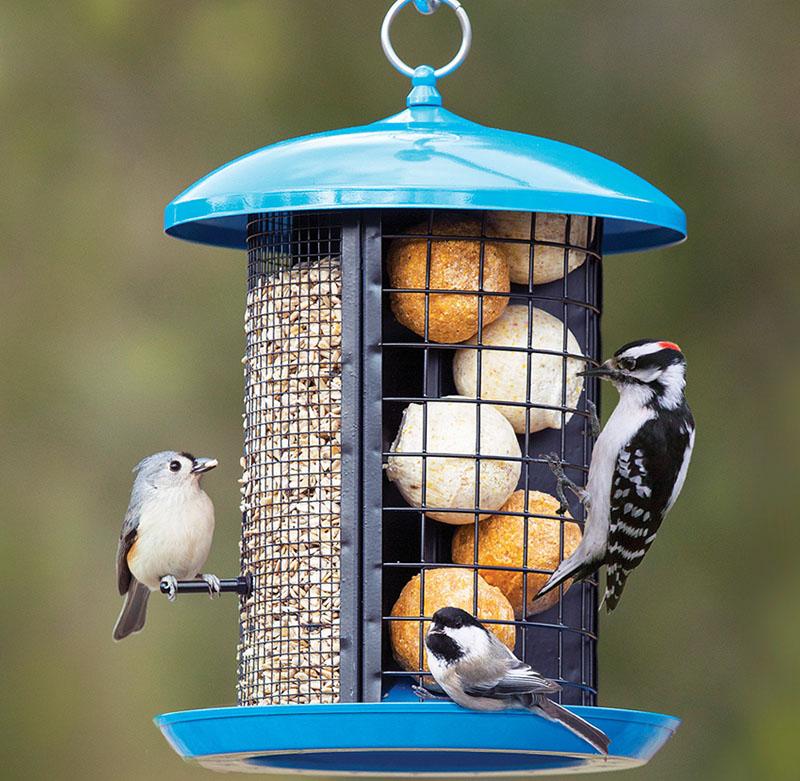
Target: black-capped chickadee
[(478, 672), (166, 534)]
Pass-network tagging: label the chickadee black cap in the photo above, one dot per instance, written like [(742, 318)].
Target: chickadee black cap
[(454, 618)]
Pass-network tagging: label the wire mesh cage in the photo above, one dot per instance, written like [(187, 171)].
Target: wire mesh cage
[(521, 362), (482, 363), (291, 534)]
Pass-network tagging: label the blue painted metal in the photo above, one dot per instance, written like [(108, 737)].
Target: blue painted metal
[(393, 738), (427, 6), (425, 157), (423, 88)]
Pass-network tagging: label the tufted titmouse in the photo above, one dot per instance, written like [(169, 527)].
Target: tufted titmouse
[(477, 671), (166, 534)]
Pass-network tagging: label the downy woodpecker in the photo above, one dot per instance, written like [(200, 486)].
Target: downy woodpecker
[(638, 465)]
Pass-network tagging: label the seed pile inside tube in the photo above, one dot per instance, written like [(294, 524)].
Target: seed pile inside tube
[(291, 486)]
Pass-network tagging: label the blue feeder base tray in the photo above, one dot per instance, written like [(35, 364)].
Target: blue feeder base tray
[(407, 738)]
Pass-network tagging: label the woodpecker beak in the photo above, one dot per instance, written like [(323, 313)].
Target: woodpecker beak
[(604, 372), (203, 465)]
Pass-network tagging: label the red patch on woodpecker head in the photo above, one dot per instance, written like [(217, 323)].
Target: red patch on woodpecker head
[(669, 346)]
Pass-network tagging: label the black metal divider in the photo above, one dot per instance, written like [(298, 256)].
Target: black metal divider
[(351, 642), (372, 461)]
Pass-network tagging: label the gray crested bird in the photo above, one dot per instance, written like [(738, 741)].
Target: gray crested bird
[(638, 467), (478, 672), (166, 535)]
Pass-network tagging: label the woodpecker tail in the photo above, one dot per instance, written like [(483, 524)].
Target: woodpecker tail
[(571, 568), (575, 724), (131, 619), (615, 583)]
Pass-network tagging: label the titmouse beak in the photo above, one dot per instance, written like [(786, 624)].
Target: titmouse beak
[(604, 372), (203, 465)]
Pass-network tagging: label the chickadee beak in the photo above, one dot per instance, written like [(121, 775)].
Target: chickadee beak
[(203, 465), (604, 372)]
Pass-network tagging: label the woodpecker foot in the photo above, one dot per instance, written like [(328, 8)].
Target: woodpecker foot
[(554, 462), (169, 586), (425, 694), (563, 507), (212, 581), (594, 421), (562, 482)]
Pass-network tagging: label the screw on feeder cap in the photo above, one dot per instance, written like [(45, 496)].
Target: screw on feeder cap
[(423, 92)]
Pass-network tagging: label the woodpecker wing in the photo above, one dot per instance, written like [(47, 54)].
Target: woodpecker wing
[(687, 457), (648, 477)]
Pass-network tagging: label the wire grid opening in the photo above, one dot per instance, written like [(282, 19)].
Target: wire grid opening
[(561, 641), (291, 486)]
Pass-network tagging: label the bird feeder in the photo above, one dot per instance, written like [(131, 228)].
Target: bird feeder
[(421, 292)]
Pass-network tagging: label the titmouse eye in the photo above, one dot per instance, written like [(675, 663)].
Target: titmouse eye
[(174, 466)]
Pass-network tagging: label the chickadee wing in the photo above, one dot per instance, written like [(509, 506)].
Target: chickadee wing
[(127, 538), (518, 678)]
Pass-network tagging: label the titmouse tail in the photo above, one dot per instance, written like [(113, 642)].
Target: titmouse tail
[(131, 619), (588, 732), (574, 567)]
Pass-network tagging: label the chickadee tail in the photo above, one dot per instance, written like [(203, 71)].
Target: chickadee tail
[(571, 568), (131, 618), (580, 727)]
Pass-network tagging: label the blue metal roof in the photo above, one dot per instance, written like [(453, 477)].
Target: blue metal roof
[(425, 157)]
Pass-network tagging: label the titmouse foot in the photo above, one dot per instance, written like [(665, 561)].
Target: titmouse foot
[(169, 586), (212, 581)]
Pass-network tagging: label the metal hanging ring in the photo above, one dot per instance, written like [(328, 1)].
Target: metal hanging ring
[(407, 70)]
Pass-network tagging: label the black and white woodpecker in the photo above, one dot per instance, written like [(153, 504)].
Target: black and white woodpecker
[(638, 465)]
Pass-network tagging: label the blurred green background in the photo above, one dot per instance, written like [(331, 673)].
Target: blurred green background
[(117, 341)]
